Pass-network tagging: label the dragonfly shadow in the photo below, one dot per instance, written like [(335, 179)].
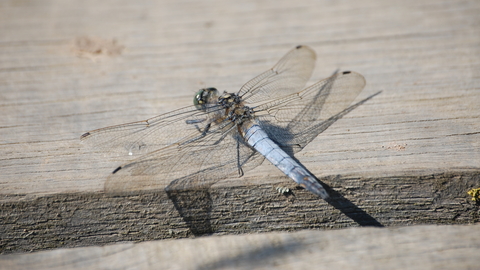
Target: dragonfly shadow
[(194, 206), (348, 208)]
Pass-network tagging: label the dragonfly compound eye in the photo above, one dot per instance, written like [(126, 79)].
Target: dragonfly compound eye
[(203, 96)]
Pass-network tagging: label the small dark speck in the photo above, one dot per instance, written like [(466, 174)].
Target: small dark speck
[(298, 47), (117, 169), (85, 135), (346, 72)]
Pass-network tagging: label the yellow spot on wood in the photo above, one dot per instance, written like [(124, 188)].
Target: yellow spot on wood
[(475, 193)]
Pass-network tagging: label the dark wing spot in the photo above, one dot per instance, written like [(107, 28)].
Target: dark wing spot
[(116, 170), (298, 47), (346, 72), (85, 135)]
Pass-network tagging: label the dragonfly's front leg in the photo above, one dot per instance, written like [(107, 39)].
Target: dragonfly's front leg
[(195, 122), (203, 132)]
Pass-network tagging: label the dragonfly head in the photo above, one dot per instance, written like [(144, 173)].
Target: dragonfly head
[(204, 96)]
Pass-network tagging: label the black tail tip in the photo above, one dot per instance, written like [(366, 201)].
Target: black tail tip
[(116, 170)]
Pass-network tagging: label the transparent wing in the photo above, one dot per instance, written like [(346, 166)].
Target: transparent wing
[(220, 154), (295, 120), (288, 76), (151, 134)]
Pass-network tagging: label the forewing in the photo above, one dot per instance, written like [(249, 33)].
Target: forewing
[(220, 154), (295, 120), (288, 76), (151, 134)]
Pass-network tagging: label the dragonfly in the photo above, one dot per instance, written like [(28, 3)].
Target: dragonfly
[(223, 135)]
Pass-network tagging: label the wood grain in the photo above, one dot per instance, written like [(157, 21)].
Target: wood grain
[(407, 156), (415, 247)]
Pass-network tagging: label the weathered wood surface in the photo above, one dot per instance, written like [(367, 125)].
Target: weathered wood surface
[(407, 156), (415, 247)]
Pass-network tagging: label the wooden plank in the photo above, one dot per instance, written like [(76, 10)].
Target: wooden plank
[(415, 247), (407, 156)]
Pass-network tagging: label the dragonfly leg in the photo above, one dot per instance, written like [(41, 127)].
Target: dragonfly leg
[(239, 166)]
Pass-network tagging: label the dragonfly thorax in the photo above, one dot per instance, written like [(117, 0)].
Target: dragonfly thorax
[(235, 110), (239, 114), (231, 104), (229, 100)]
